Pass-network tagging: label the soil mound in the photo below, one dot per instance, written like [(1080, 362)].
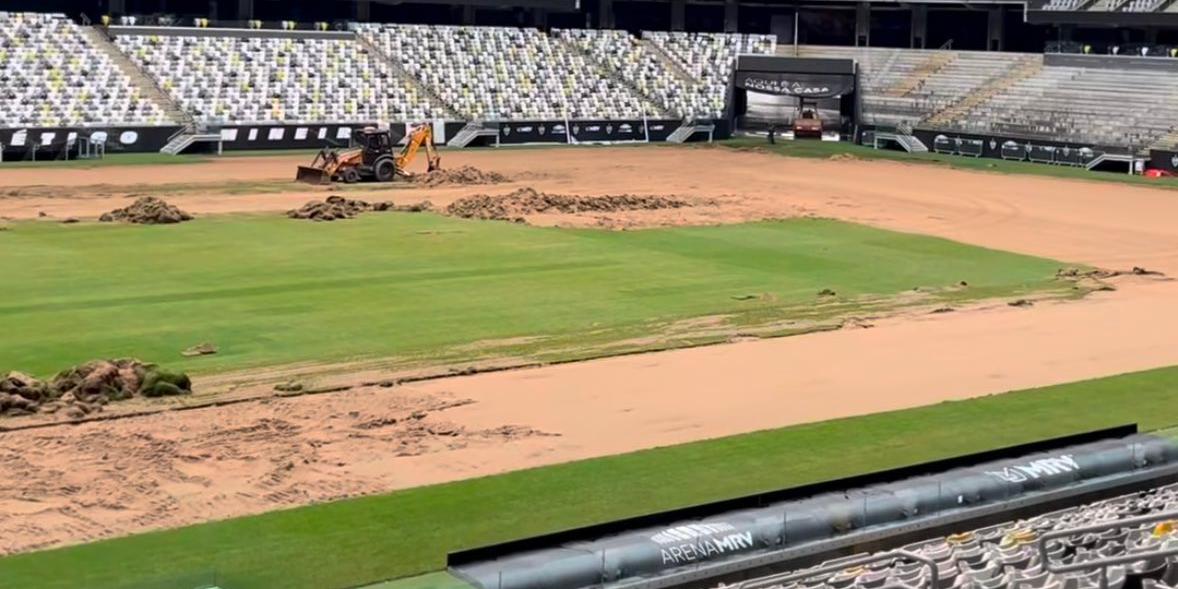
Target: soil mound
[(336, 207), (527, 201), (147, 210), (843, 157), (458, 176), (84, 389)]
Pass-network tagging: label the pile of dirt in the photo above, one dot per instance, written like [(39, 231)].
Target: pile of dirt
[(527, 201), (147, 210), (84, 389), (336, 207), (204, 349), (458, 176)]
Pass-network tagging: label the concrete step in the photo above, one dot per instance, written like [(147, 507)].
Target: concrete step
[(605, 71), (449, 111), (670, 63), (146, 85)]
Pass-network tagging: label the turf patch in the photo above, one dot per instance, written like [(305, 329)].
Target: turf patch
[(269, 290)]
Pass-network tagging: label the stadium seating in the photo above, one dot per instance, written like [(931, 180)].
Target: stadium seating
[(1063, 5), (506, 73), (1142, 5), (631, 60), (709, 58), (1082, 105), (51, 76), (906, 86), (54, 75), (276, 79), (1006, 556)]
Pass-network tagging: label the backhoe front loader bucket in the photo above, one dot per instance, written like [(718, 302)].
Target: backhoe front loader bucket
[(311, 175)]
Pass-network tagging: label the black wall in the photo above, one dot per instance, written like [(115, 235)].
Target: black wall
[(1010, 148), (115, 140), (241, 137), (520, 132), (1163, 159)]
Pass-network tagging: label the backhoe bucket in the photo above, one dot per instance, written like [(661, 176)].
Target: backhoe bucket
[(310, 175)]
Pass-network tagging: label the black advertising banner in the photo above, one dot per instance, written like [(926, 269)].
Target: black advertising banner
[(1008, 148), (592, 131), (660, 129), (1163, 159), (585, 131), (796, 84), (516, 132), (52, 143), (240, 137)]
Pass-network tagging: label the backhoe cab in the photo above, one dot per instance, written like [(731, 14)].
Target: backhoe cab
[(373, 158)]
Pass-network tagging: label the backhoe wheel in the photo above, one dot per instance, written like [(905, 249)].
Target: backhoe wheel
[(350, 175), (385, 170)]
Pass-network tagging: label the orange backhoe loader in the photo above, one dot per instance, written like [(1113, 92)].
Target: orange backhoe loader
[(372, 160)]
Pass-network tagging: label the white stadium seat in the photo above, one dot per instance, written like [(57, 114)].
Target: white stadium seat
[(51, 76), (276, 79)]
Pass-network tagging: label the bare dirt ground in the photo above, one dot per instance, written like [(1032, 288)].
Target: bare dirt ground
[(68, 484)]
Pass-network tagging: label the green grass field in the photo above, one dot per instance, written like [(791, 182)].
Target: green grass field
[(406, 533), (269, 290)]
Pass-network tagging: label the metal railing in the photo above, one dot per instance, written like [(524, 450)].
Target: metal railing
[(783, 578), (1104, 563)]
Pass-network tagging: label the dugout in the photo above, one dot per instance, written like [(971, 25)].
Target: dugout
[(770, 91)]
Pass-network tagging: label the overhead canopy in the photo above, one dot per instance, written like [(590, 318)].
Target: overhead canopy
[(795, 76), (805, 85)]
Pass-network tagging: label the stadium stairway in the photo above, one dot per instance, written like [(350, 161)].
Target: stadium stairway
[(670, 63), (1168, 141), (917, 77), (1028, 66), (449, 111), (608, 72), (147, 86)]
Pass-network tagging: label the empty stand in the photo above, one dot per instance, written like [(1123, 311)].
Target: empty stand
[(295, 79), (51, 75), (636, 63), (905, 86), (709, 59), (56, 73), (1107, 107), (507, 73)]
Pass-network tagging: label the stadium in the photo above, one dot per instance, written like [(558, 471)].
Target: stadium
[(563, 294)]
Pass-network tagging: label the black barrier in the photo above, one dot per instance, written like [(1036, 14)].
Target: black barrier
[(241, 137), (53, 143), (659, 129), (661, 549), (605, 131), (592, 131), (1009, 148), (518, 132), (1163, 159)]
